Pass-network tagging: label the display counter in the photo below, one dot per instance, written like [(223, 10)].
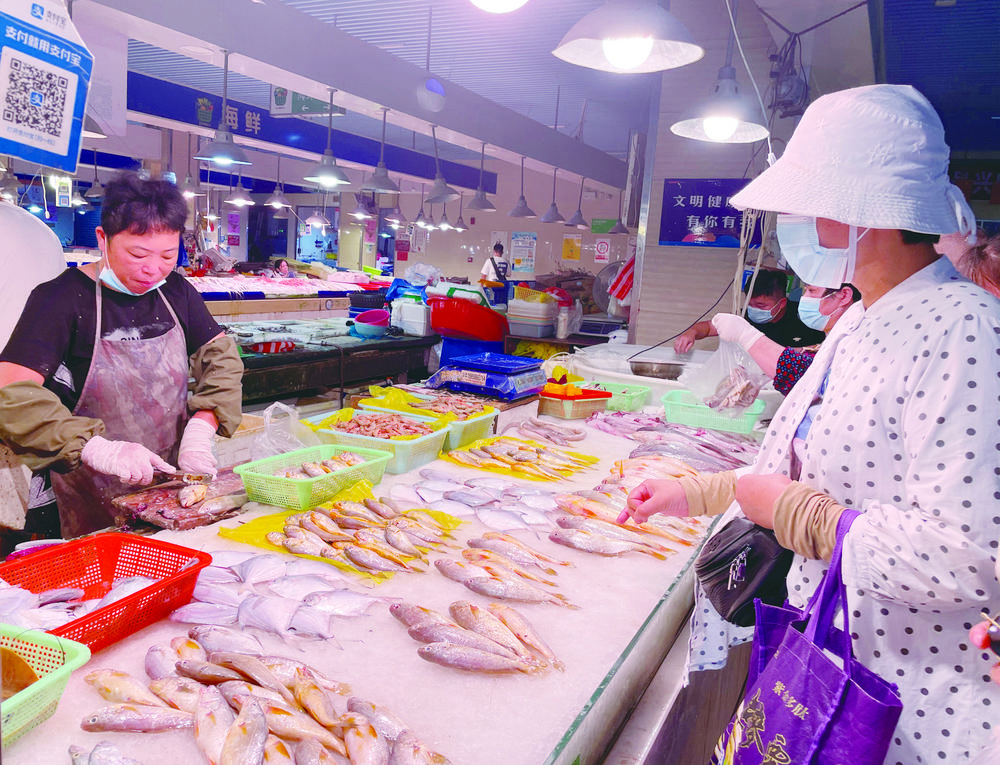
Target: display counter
[(630, 610)]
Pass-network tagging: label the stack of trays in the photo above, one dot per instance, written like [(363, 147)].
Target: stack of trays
[(532, 319)]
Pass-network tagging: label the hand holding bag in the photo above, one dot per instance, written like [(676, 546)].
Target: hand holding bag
[(740, 562), (808, 700)]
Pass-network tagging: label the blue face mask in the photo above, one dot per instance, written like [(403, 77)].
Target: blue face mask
[(111, 279), (810, 315), (759, 315)]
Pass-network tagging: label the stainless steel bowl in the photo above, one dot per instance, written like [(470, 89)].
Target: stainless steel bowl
[(665, 370)]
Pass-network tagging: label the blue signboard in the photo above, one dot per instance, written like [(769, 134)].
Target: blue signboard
[(44, 75), (697, 212)]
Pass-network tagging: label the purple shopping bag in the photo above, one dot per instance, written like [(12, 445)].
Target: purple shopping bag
[(808, 700)]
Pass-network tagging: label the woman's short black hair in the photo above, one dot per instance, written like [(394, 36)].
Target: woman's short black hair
[(139, 206)]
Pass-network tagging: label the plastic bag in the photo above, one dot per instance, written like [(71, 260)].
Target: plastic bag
[(421, 274), (730, 379), (282, 433)]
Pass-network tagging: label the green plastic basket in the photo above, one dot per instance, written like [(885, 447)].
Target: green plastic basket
[(626, 398), (460, 432), (53, 659), (405, 453), (303, 494), (684, 408)]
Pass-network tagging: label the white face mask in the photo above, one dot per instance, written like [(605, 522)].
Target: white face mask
[(815, 264), (110, 278)]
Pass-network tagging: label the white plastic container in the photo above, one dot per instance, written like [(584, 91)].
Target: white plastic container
[(412, 317), (529, 310)]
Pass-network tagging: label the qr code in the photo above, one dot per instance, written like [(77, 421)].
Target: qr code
[(35, 98), (36, 101)]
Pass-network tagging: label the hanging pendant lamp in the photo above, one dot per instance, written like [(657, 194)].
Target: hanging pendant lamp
[(521, 209), (360, 212), (222, 150), (578, 221), (619, 227), (440, 191), (277, 199), (191, 189), (240, 197), (460, 223), (553, 215), (444, 224), (395, 216), (318, 219), (380, 180), (326, 173), (420, 220), (479, 200), (96, 190)]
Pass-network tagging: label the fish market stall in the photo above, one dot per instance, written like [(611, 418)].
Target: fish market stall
[(608, 621)]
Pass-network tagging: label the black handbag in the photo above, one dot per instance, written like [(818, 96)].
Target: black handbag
[(739, 563)]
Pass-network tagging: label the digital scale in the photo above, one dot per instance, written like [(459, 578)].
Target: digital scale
[(599, 325)]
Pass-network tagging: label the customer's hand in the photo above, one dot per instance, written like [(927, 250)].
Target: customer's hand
[(736, 329), (684, 341), (757, 495), (660, 495), (127, 461), (981, 637)]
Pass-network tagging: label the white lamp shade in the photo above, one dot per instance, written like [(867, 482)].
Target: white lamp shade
[(96, 191), (552, 215), (277, 199), (481, 202), (281, 213), (460, 224), (317, 220), (326, 173), (190, 189), (630, 24), (521, 209), (222, 151), (578, 221), (498, 6), (724, 117), (240, 197), (441, 192), (619, 228), (380, 181)]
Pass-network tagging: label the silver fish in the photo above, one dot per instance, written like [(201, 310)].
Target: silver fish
[(409, 750), (472, 660), (216, 638), (517, 553), (527, 634), (598, 543), (137, 718), (470, 497), (160, 661), (106, 753), (260, 568), (121, 688), (59, 595), (228, 594), (311, 622), (511, 590), (213, 718), (205, 672), (179, 692), (245, 741), (456, 570), (124, 587), (487, 624), (410, 614), (341, 602), (387, 724), (285, 669), (499, 519), (236, 691), (429, 632), (268, 613), (204, 613)]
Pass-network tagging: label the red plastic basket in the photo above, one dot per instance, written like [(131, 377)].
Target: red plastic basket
[(94, 563), (465, 320)]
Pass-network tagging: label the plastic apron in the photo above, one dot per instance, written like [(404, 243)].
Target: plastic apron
[(138, 388)]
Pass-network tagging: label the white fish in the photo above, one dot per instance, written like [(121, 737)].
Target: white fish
[(267, 612), (229, 594), (341, 602), (500, 520), (433, 474), (429, 496), (260, 568), (106, 753), (204, 613), (305, 567), (297, 587), (452, 507), (217, 575), (59, 595), (213, 718), (125, 587), (470, 497), (441, 486), (491, 482), (232, 558), (214, 637), (402, 492), (531, 516), (137, 718), (311, 622), (539, 501), (160, 661)]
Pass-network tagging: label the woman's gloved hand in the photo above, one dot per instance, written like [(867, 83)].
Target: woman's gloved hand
[(128, 461), (736, 329), (196, 455)]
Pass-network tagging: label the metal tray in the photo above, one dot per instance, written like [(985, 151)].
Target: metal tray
[(665, 370)]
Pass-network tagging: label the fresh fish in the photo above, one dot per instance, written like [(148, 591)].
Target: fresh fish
[(59, 595), (409, 750), (213, 718), (472, 660), (247, 737), (353, 522), (188, 648), (607, 529), (299, 586), (206, 672), (357, 510), (511, 590), (488, 559), (121, 688), (236, 691), (519, 554), (527, 634), (267, 612), (487, 624), (313, 470), (219, 594), (402, 492), (416, 531), (160, 661), (216, 638), (364, 745), (433, 474), (387, 724), (137, 718), (542, 502), (370, 560), (311, 622), (495, 535), (381, 508), (317, 548), (398, 539), (470, 497), (410, 614), (205, 613), (375, 541), (431, 632), (104, 753), (429, 496), (531, 517), (211, 575), (456, 570), (276, 752), (309, 752), (125, 587), (314, 699), (290, 724), (192, 494), (322, 529), (260, 568), (233, 558), (217, 505), (285, 669), (490, 482), (254, 670), (498, 519), (598, 543), (178, 692), (341, 602), (304, 567)]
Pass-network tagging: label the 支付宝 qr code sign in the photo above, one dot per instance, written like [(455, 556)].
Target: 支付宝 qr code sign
[(44, 74)]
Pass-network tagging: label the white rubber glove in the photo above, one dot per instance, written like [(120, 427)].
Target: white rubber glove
[(196, 455), (130, 462), (736, 329)]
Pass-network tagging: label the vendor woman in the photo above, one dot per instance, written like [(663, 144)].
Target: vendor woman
[(94, 379)]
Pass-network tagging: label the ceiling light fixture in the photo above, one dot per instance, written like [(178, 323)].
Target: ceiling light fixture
[(444, 224), (578, 221), (318, 219), (360, 211), (191, 189), (619, 227), (726, 116), (460, 223), (440, 191), (553, 215), (380, 180), (633, 36), (222, 150), (420, 220), (96, 190), (277, 199), (326, 173), (395, 216), (498, 6), (479, 200), (240, 196), (521, 209)]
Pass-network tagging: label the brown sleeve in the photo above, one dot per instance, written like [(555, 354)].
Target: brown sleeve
[(805, 520), (218, 383), (709, 493), (40, 430)]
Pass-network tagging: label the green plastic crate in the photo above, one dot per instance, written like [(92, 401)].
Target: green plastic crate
[(460, 432), (684, 408), (303, 494), (53, 659), (625, 398)]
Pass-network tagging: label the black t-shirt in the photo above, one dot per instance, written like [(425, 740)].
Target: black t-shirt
[(55, 334), (789, 330)]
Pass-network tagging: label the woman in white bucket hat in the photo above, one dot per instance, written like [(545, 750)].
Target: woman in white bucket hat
[(903, 444)]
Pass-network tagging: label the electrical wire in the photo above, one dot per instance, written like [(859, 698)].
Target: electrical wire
[(746, 65), (673, 337)]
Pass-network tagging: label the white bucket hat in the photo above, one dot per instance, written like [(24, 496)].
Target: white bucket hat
[(873, 156)]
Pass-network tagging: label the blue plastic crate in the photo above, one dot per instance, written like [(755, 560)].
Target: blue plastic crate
[(497, 362), (453, 347)]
